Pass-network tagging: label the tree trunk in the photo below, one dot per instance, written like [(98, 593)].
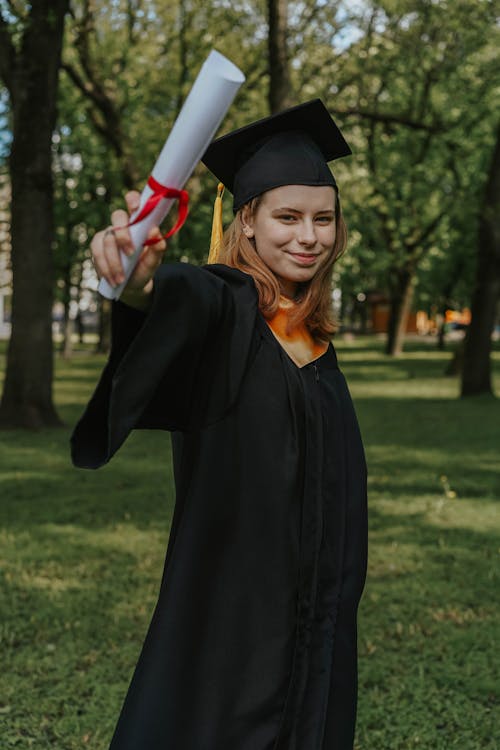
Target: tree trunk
[(105, 111), (67, 346), (27, 394), (104, 341), (279, 72), (476, 373), (456, 363), (80, 328), (450, 284), (442, 332), (400, 304), (184, 24)]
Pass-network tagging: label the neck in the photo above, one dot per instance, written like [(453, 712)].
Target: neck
[(288, 289)]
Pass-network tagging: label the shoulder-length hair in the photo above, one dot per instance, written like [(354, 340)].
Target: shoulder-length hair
[(314, 305)]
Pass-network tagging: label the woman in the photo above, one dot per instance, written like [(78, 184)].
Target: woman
[(252, 645)]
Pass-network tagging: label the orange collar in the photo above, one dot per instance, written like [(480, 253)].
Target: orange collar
[(299, 344)]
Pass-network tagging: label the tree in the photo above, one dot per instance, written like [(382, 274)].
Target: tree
[(106, 102), (87, 176), (30, 51), (416, 92), (476, 373), (144, 85), (279, 74)]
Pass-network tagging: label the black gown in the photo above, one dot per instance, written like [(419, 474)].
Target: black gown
[(252, 644)]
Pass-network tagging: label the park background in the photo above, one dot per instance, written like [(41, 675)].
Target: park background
[(88, 92)]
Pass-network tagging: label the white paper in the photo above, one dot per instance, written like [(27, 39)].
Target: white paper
[(208, 101)]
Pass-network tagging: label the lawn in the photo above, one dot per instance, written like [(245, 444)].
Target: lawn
[(82, 555)]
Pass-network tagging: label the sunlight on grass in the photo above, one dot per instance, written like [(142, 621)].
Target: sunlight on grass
[(82, 553)]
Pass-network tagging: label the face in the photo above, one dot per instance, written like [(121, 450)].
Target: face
[(294, 231)]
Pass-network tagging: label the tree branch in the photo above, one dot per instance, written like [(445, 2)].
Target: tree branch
[(425, 233), (8, 58), (19, 12), (86, 88), (388, 118), (92, 92)]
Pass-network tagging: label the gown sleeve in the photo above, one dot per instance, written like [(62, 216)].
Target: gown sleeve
[(177, 367)]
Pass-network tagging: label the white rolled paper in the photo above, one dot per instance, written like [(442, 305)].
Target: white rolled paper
[(208, 101)]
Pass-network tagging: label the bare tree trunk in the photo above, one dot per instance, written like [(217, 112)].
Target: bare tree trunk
[(65, 277), (80, 327), (104, 341), (184, 24), (279, 71), (442, 332), (67, 347), (446, 297), (67, 344), (31, 75), (476, 373), (456, 363), (400, 304)]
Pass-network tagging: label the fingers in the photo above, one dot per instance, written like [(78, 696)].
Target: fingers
[(106, 246), (132, 199), (111, 251), (106, 258), (159, 247), (98, 257), (151, 256), (119, 220)]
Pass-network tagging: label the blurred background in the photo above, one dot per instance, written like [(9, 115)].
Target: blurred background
[(88, 93)]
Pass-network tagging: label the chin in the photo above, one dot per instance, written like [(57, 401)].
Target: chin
[(302, 275)]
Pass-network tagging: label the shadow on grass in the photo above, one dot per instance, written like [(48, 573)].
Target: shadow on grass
[(364, 343), (74, 617), (416, 528), (40, 485), (468, 474), (411, 443), (84, 552)]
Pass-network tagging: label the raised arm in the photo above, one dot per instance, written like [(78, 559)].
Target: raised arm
[(106, 246)]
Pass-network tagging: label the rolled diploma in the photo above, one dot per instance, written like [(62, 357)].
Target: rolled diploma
[(208, 101)]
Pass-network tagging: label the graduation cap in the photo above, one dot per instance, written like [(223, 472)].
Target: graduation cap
[(292, 147)]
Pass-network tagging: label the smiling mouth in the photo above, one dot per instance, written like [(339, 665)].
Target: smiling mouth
[(307, 257)]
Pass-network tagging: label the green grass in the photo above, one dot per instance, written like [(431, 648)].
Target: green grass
[(81, 557)]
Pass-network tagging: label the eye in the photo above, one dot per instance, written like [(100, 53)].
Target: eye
[(325, 219), (287, 217)]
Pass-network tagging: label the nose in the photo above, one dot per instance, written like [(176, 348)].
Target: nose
[(307, 233)]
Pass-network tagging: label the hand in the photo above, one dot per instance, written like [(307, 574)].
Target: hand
[(106, 246)]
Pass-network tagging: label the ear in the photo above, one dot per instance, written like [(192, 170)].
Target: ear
[(247, 223)]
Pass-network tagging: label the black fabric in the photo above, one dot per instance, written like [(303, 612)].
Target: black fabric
[(289, 148), (284, 159), (165, 378), (252, 645)]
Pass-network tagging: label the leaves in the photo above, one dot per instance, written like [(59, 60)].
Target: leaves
[(414, 86)]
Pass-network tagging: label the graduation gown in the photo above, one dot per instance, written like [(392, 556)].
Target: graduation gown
[(252, 644)]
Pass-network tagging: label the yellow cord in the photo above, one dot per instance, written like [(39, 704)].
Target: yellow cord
[(217, 228)]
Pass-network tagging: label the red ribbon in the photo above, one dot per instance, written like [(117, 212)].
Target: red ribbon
[(159, 193)]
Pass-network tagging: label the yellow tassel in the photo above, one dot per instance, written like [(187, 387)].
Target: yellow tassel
[(217, 229)]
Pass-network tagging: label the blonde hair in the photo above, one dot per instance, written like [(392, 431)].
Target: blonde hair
[(314, 307)]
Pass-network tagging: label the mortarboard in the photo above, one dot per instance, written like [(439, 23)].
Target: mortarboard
[(289, 148)]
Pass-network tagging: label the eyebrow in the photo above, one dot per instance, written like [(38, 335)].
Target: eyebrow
[(298, 211)]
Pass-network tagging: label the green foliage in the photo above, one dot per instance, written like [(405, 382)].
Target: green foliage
[(145, 61), (414, 85), (86, 177), (420, 91), (82, 556)]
